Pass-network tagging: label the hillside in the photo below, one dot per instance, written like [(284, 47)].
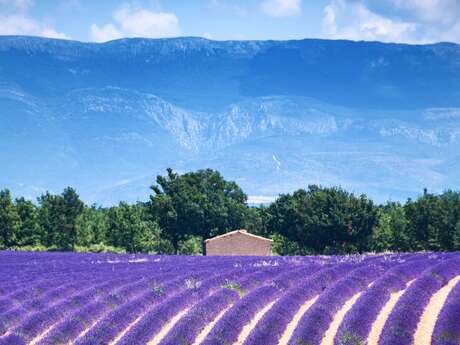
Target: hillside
[(382, 119)]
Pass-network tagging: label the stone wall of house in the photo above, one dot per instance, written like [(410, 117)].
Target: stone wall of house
[(238, 244)]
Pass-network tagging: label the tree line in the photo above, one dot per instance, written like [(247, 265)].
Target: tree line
[(185, 209)]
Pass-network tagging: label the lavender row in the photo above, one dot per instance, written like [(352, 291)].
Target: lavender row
[(24, 275), (290, 278), (78, 272), (315, 322), (90, 273), (35, 297), (188, 328), (26, 291), (109, 326), (402, 322), (357, 324), (257, 277), (229, 327), (10, 318), (119, 319), (447, 329), (37, 322), (75, 323), (58, 261), (272, 325), (156, 318), (40, 296)]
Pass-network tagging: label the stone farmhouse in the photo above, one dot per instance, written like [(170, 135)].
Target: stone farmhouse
[(239, 242)]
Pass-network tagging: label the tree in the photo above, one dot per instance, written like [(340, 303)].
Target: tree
[(456, 237), (48, 216), (420, 221), (324, 220), (126, 229), (256, 220), (92, 226), (432, 221), (450, 216), (9, 220), (72, 208), (58, 217), (29, 232), (391, 233), (198, 203)]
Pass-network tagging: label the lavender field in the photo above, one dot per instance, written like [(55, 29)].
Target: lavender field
[(66, 298)]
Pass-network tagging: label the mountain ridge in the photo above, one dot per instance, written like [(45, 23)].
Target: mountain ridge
[(204, 39), (274, 116)]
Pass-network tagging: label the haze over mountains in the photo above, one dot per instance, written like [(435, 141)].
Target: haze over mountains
[(380, 119)]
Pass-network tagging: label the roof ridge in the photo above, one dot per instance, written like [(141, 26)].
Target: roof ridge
[(242, 231)]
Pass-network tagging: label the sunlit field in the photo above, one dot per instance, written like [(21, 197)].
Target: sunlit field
[(66, 298)]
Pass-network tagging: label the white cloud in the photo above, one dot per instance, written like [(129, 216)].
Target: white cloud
[(281, 8), (207, 35), (104, 33), (19, 24), (439, 20), (137, 22), (408, 21), (353, 20), (146, 23), (51, 33), (14, 20)]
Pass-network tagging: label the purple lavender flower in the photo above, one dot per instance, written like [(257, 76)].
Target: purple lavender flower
[(357, 324), (316, 320), (66, 294), (447, 329), (402, 322)]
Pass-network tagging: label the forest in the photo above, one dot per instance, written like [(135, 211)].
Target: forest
[(184, 209)]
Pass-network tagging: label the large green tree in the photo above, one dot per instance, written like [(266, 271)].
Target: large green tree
[(127, 229), (9, 220), (197, 203), (324, 220), (92, 226), (72, 208), (432, 221), (256, 219), (391, 233), (49, 218), (29, 232), (58, 217)]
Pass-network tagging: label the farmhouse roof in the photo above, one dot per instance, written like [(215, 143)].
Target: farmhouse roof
[(242, 231)]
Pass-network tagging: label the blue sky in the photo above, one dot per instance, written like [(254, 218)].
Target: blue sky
[(411, 21)]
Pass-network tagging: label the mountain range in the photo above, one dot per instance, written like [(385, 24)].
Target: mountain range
[(106, 118)]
